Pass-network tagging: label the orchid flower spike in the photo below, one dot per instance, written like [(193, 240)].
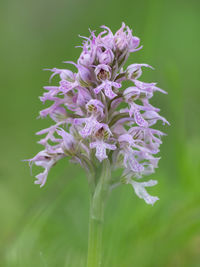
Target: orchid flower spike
[(90, 125)]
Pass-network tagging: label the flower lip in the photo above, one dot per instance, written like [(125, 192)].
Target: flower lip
[(141, 191), (148, 87)]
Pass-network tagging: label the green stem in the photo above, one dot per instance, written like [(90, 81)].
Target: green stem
[(97, 217)]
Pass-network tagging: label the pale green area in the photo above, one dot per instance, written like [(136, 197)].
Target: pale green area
[(48, 226)]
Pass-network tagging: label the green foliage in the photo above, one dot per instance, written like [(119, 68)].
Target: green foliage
[(49, 226)]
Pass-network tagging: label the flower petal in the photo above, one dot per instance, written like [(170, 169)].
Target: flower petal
[(142, 193)]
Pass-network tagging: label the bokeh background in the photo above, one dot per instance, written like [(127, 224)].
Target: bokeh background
[(48, 226)]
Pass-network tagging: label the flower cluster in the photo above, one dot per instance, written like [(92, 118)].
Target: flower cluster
[(96, 118)]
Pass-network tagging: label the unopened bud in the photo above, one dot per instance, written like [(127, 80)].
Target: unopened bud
[(134, 71), (67, 75), (105, 56), (84, 76), (86, 58), (59, 114)]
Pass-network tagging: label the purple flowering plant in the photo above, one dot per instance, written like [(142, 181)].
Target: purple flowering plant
[(101, 125)]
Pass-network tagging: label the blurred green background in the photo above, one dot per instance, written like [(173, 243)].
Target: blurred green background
[(48, 226)]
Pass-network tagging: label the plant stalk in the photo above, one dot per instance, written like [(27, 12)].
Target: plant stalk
[(97, 202)]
